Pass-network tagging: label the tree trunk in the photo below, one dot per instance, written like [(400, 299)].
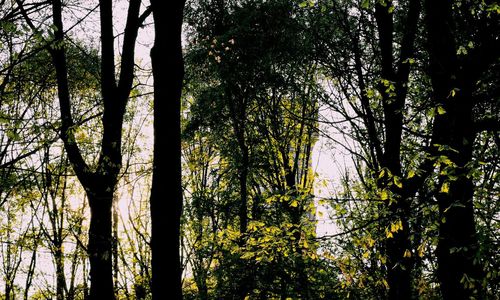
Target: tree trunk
[(115, 242), (453, 136), (99, 184), (100, 245), (60, 277), (166, 191), (243, 177)]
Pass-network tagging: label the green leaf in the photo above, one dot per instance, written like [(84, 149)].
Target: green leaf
[(462, 50), (441, 110)]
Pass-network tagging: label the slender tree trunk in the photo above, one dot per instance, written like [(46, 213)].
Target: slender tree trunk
[(100, 246), (399, 265), (115, 242), (31, 271), (243, 177), (99, 184), (8, 289), (166, 191), (60, 277)]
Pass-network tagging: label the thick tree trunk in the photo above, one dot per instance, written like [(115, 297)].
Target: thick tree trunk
[(100, 245), (454, 136), (166, 191), (457, 245)]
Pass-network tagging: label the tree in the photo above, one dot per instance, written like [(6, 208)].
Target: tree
[(99, 181), (456, 72), (372, 73), (166, 195), (254, 102)]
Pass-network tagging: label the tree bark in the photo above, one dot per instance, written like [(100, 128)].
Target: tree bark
[(453, 137), (60, 277), (100, 246), (166, 191), (399, 267), (99, 184)]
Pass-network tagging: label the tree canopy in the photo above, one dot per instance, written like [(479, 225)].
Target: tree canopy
[(249, 149)]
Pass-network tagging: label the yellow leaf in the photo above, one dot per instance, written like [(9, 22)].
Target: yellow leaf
[(294, 203), (441, 110), (445, 188), (421, 250), (407, 253), (385, 283), (247, 255), (411, 174), (384, 195), (398, 182)]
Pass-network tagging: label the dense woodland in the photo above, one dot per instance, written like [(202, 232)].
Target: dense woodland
[(171, 149)]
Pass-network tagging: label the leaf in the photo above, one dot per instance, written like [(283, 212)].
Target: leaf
[(441, 110), (303, 4), (445, 187), (398, 182), (385, 283), (294, 203), (247, 255), (421, 249), (407, 253), (411, 174), (462, 50), (384, 195)]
